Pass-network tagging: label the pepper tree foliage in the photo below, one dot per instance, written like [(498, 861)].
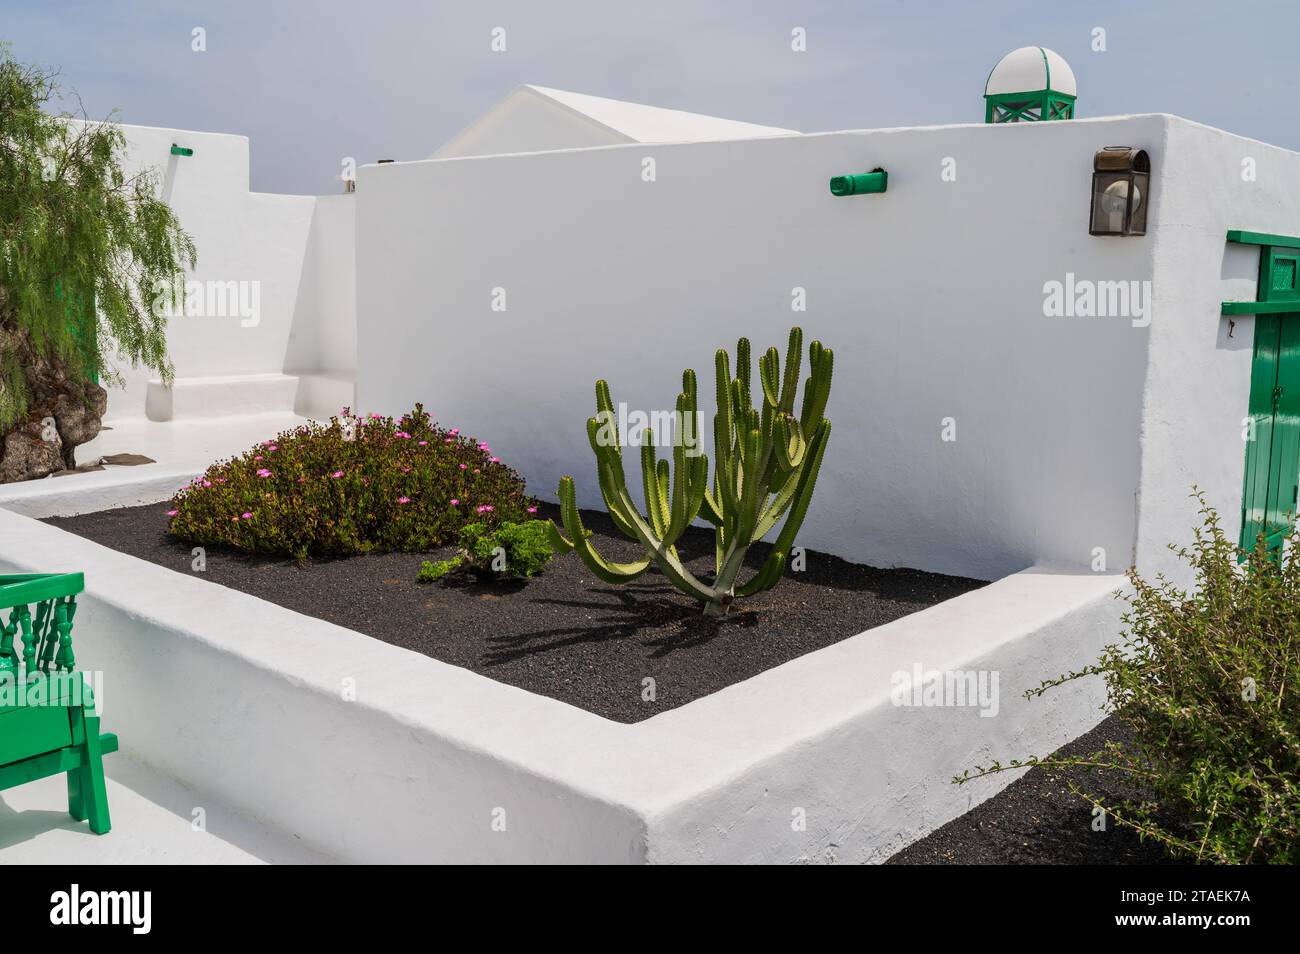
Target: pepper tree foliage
[(84, 247)]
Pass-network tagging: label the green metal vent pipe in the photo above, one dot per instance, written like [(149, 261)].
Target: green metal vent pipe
[(863, 183)]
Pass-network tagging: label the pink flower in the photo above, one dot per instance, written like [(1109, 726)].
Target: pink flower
[(454, 431), (264, 473), (464, 466), (221, 480), (483, 447), (172, 513), (447, 441), (403, 500), (477, 471), (207, 483), (532, 510), (424, 443), (258, 457), (247, 516), (403, 435), (484, 508), (494, 460), (337, 473), (455, 502)]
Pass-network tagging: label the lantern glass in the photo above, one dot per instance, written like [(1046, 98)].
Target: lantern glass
[(1110, 194), (1137, 222)]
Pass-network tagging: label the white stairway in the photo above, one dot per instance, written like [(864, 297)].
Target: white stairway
[(317, 394)]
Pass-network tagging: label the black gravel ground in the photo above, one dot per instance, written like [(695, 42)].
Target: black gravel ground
[(1037, 821), (563, 634)]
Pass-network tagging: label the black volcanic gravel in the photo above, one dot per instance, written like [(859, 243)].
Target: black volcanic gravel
[(1036, 820), (564, 634)]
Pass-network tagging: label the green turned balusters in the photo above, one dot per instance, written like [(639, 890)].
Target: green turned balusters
[(66, 661), (29, 638), (46, 634), (8, 659), (46, 637)]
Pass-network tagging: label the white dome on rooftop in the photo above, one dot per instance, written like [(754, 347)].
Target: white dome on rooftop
[(1029, 69)]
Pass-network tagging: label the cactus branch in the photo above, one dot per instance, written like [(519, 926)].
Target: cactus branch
[(765, 467)]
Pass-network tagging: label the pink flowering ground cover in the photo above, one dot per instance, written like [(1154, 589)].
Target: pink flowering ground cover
[(354, 485)]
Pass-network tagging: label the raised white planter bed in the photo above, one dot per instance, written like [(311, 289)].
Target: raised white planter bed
[(368, 752)]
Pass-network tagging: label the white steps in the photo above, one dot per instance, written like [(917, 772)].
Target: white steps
[(316, 394)]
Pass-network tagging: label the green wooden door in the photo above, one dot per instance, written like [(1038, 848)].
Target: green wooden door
[(1272, 484)]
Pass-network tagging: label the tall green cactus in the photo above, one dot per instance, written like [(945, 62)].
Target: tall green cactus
[(766, 466)]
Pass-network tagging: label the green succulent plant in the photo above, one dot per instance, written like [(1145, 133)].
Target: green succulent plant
[(766, 465), (510, 550)]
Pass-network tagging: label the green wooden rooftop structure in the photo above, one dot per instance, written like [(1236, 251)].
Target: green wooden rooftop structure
[(1030, 84)]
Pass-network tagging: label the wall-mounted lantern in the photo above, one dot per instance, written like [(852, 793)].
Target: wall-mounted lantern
[(1121, 191), (877, 180), (181, 150)]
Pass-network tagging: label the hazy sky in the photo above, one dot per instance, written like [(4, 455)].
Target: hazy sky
[(312, 82)]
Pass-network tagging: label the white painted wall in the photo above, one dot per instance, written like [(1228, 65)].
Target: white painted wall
[(1075, 435), (931, 295), (1198, 382), (299, 251), (324, 336)]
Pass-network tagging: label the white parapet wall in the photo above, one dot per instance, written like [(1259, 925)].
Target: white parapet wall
[(273, 290), (931, 295), (974, 433), (367, 752)]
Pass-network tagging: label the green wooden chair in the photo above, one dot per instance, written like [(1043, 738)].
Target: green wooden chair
[(47, 709)]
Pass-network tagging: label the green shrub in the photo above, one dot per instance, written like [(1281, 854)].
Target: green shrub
[(512, 549), (1207, 681), (433, 570), (354, 485)]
